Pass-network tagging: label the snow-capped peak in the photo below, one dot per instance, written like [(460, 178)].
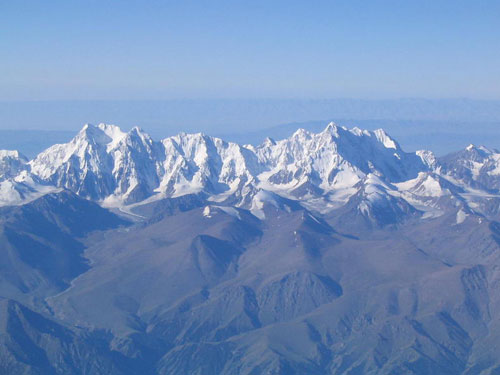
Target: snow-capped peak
[(12, 162), (13, 154), (102, 134), (481, 150), (428, 158), (384, 138), (332, 128)]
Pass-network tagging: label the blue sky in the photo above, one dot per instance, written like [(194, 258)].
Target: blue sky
[(90, 49)]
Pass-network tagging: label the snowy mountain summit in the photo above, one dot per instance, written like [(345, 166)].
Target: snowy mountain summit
[(325, 171)]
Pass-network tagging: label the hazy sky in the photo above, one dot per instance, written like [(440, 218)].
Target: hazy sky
[(248, 49)]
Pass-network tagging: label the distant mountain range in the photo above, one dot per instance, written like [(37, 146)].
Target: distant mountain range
[(330, 252)]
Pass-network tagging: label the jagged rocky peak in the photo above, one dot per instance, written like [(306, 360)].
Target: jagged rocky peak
[(268, 142), (17, 185), (106, 134), (475, 166), (97, 135), (11, 154), (344, 140), (337, 158), (12, 162), (428, 158), (472, 153), (112, 136), (479, 150), (98, 162), (139, 133), (473, 158), (378, 135)]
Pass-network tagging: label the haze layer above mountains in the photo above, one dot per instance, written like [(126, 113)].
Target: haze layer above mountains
[(442, 125)]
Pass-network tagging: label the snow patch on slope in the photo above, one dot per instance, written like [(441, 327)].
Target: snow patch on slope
[(461, 216)]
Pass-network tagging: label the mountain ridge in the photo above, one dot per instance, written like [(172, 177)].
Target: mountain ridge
[(323, 171)]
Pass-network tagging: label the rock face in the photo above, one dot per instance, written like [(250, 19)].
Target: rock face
[(324, 253)]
